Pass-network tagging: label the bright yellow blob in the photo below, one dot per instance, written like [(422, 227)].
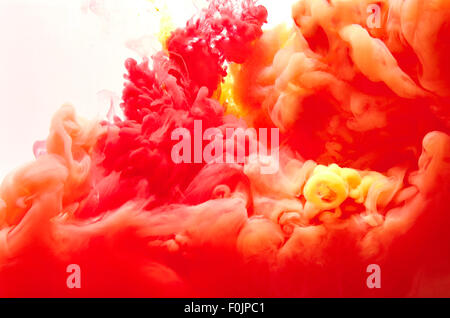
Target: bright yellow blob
[(331, 185), (226, 96)]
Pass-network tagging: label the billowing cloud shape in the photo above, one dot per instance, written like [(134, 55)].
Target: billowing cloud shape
[(359, 94)]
